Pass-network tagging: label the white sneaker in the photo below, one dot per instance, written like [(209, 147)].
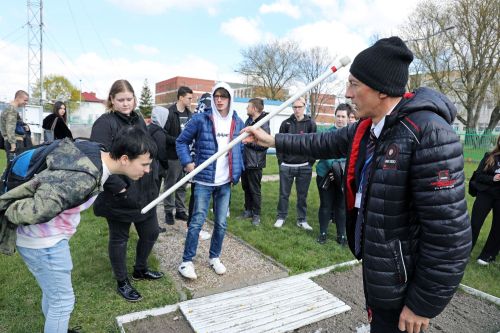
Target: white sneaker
[(204, 235), (304, 225), (279, 223), (482, 262), (187, 270), (217, 265), (228, 213)]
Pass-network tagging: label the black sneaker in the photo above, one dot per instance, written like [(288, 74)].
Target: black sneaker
[(147, 275), (342, 240), (161, 229), (128, 292), (169, 218), (321, 238), (247, 214), (182, 216), (75, 329)]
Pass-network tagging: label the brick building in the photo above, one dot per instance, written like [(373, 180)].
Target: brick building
[(166, 94)]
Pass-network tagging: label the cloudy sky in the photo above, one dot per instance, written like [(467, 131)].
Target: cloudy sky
[(94, 42)]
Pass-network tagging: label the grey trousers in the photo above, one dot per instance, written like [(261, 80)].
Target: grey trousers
[(302, 176), (175, 173)]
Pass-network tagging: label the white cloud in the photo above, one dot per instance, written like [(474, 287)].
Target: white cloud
[(366, 17), (333, 35), (145, 49), (98, 73), (156, 7), (244, 30), (281, 6)]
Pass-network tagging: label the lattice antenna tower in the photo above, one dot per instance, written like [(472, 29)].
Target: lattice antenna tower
[(35, 46)]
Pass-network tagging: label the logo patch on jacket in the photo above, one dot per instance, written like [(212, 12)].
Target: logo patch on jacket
[(444, 181), (391, 157)]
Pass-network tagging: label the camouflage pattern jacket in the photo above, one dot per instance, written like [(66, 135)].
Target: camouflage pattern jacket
[(70, 179), (8, 121)]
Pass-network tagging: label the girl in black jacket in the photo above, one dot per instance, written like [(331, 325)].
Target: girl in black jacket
[(488, 198), (54, 124), (122, 199)]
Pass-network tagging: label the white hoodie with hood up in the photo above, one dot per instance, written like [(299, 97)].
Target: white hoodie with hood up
[(222, 134)]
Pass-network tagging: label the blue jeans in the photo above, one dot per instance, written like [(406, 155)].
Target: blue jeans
[(202, 195), (52, 267)]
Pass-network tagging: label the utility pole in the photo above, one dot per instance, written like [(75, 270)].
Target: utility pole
[(35, 46)]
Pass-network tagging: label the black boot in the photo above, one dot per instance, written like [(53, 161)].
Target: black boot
[(169, 218), (128, 292), (146, 275)]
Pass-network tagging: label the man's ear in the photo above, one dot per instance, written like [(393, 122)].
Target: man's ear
[(382, 95), (124, 160)]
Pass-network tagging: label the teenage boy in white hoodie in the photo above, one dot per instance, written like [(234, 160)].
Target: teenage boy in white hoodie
[(211, 131)]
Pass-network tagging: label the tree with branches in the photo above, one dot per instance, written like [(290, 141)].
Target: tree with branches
[(272, 66), (311, 65), (456, 45), (146, 100)]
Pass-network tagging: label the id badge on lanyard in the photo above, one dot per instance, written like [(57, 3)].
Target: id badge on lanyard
[(359, 193)]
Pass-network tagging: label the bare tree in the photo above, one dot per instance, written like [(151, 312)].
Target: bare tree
[(457, 44), (313, 63), (273, 66)]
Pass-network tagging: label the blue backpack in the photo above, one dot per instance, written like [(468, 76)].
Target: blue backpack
[(33, 161)]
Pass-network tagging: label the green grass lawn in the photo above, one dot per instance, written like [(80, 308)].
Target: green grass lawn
[(272, 167), (98, 304)]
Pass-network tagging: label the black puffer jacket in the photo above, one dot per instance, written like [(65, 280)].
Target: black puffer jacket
[(111, 203), (292, 126), (484, 182), (417, 236), (255, 155)]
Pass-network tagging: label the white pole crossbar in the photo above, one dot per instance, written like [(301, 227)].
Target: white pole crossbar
[(334, 68)]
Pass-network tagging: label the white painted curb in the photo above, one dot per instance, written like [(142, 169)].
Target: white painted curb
[(120, 320), (480, 294)]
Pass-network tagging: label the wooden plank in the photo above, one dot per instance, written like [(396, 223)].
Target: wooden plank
[(264, 310), (262, 299), (275, 319), (299, 322), (250, 290), (274, 306)]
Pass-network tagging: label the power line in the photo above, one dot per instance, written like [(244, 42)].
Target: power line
[(89, 18), (76, 27), (51, 39), (14, 31)]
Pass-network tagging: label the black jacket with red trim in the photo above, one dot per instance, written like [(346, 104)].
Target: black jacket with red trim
[(416, 235)]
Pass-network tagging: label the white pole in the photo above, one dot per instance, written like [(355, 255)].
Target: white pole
[(341, 63)]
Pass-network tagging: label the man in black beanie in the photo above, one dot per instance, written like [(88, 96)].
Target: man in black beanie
[(404, 186)]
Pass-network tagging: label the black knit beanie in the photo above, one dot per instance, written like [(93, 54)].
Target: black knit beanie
[(384, 66)]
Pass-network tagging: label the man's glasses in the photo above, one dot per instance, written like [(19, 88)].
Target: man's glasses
[(221, 97), (296, 107)]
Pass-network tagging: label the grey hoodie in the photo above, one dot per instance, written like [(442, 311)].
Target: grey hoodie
[(159, 116)]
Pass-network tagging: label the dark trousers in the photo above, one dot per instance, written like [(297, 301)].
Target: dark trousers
[(302, 176), (482, 205), (251, 184), (385, 321), (331, 200), (117, 247), (173, 174)]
